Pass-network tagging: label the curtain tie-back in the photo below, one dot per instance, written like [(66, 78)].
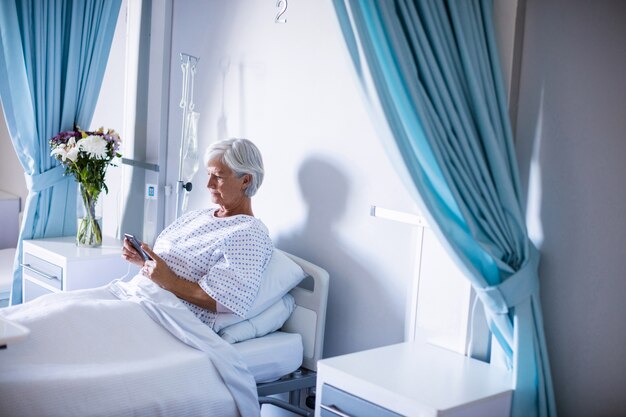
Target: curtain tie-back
[(515, 289), (39, 182)]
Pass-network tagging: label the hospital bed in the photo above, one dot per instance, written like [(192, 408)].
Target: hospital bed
[(137, 368)]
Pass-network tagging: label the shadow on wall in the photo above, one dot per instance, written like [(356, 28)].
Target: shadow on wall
[(356, 318)]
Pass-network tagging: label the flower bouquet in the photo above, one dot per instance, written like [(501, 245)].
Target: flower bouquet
[(87, 155)]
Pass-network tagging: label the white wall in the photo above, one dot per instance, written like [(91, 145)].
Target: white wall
[(291, 89), (572, 111), (11, 172)]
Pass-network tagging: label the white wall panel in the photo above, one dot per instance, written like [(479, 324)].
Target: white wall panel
[(291, 89)]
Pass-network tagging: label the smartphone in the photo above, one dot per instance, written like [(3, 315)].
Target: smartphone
[(133, 241)]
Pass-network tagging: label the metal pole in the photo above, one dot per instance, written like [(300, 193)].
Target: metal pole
[(188, 67)]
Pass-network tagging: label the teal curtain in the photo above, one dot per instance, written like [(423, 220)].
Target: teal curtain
[(435, 71), (53, 54)]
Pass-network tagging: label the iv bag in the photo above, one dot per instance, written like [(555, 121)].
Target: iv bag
[(191, 160)]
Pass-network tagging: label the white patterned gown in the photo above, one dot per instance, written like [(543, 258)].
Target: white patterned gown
[(226, 256)]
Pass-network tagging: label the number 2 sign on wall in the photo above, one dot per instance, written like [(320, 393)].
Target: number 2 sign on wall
[(281, 5)]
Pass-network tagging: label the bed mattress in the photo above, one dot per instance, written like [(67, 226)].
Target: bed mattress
[(92, 354), (270, 357)]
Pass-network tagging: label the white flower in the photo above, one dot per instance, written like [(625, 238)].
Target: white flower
[(72, 154), (94, 145), (67, 151), (59, 150)]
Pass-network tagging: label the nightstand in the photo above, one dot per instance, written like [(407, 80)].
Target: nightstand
[(57, 264), (412, 380)]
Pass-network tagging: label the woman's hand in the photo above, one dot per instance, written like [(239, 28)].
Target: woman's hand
[(130, 254), (157, 270), (161, 274)]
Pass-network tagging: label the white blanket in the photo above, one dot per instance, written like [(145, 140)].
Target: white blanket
[(97, 353)]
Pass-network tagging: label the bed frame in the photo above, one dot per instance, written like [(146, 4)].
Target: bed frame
[(309, 320)]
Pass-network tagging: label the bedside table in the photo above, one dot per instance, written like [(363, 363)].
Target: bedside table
[(57, 264), (412, 380)]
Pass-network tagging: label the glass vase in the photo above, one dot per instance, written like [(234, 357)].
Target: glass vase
[(89, 227)]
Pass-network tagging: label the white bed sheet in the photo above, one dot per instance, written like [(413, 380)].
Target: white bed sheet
[(92, 354), (272, 356)]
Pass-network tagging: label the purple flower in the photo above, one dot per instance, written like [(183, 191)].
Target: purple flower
[(86, 152)]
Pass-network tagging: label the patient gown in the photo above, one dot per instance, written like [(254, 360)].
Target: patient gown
[(225, 256)]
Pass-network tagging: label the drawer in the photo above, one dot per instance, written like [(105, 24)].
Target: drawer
[(338, 403), (32, 290), (43, 271)]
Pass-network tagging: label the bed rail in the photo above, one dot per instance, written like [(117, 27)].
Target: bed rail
[(309, 316)]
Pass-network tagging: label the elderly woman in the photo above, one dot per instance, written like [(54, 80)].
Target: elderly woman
[(213, 259)]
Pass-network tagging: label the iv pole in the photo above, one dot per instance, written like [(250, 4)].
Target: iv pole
[(188, 66)]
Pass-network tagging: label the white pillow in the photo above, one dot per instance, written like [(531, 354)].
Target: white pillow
[(280, 276), (268, 321)]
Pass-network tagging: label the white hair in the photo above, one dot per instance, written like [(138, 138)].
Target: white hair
[(242, 157)]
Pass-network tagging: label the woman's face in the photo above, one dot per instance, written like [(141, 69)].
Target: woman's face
[(227, 189)]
